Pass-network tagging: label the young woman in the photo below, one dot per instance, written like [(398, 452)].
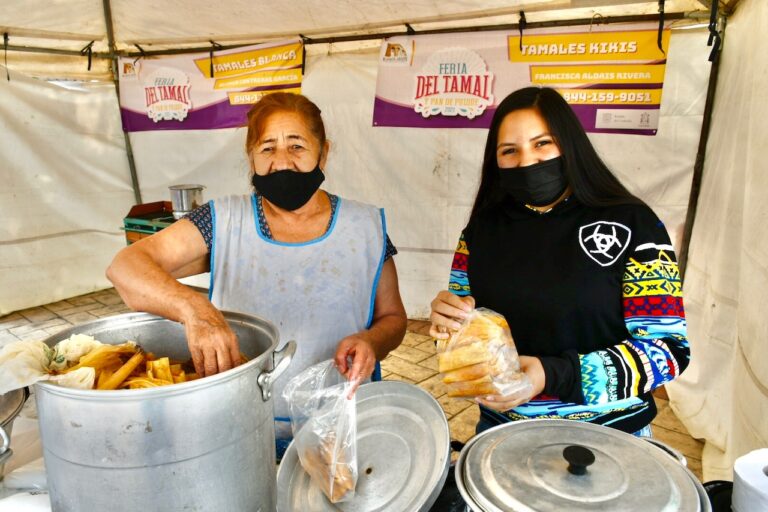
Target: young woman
[(583, 271)]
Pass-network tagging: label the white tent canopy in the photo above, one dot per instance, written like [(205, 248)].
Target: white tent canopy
[(67, 179)]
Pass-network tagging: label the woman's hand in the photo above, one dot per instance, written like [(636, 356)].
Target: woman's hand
[(362, 356), (212, 342), (533, 369), (448, 310)]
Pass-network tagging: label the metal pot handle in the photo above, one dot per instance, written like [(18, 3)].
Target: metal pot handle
[(5, 451), (280, 361)]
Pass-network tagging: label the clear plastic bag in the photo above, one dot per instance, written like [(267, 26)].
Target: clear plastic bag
[(481, 359), (324, 424)]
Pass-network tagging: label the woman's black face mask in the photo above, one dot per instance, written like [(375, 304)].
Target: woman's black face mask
[(288, 189), (536, 185)]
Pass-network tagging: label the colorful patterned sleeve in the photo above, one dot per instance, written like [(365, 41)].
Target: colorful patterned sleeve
[(458, 283), (657, 349)]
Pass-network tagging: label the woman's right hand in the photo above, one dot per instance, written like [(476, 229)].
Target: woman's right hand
[(212, 343), (448, 311)]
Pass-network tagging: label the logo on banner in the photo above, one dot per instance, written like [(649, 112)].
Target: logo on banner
[(604, 241), (395, 53), (453, 82), (166, 94)]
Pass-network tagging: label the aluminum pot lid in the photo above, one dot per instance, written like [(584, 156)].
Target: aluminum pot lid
[(555, 465), (11, 404), (403, 455)]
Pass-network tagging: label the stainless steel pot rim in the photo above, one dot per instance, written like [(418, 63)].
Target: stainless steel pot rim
[(186, 187), (393, 399), (479, 503), (179, 388)]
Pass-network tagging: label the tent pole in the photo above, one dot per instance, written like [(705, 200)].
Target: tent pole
[(126, 136), (698, 167)]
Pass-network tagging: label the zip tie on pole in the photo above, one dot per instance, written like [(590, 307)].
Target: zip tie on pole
[(521, 26), (597, 16), (5, 45), (88, 50), (304, 40), (143, 53), (214, 46), (714, 35), (661, 26)]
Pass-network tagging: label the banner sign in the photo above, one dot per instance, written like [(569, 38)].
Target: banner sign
[(179, 93), (612, 79)]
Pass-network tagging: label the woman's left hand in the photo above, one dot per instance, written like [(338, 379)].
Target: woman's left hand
[(533, 369), (362, 356)]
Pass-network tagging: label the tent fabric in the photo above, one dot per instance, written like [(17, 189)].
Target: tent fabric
[(172, 24), (66, 187), (723, 396), (425, 179)]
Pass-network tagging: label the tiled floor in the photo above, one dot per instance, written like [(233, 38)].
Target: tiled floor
[(414, 361)]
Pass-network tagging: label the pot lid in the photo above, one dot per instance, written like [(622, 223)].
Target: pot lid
[(558, 465), (403, 455), (11, 404)]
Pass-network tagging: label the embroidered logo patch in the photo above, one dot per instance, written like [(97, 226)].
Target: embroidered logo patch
[(604, 241)]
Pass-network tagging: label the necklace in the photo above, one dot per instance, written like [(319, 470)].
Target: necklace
[(537, 210)]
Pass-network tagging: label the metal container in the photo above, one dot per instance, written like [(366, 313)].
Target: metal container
[(185, 198), (403, 455), (10, 407), (203, 445), (555, 465)]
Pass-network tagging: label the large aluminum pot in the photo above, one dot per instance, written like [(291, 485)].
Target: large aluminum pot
[(10, 406), (204, 445), (554, 465)]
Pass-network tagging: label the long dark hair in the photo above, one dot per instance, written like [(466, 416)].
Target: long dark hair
[(590, 179)]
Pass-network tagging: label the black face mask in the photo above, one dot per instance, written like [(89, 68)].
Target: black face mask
[(536, 185), (288, 189)]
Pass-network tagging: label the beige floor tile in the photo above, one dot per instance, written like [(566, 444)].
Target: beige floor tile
[(453, 406), (683, 443), (412, 339), (410, 354), (395, 376), (37, 335), (6, 337), (407, 369), (463, 424), (430, 363), (79, 309), (82, 300), (434, 385), (427, 346), (108, 297), (666, 418), (59, 306), (36, 315), (12, 320), (81, 317)]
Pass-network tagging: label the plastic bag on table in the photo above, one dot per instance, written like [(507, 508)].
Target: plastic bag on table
[(481, 359), (324, 427)]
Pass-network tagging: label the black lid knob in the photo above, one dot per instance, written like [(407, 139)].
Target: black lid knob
[(578, 457)]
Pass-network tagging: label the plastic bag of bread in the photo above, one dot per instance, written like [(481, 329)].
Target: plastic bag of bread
[(324, 425), (481, 359)]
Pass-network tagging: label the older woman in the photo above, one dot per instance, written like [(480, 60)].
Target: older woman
[(318, 266)]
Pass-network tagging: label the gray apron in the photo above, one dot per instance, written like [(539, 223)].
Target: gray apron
[(315, 292)]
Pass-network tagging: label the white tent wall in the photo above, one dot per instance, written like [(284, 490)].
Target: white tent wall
[(65, 186), (723, 397), (426, 179)]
